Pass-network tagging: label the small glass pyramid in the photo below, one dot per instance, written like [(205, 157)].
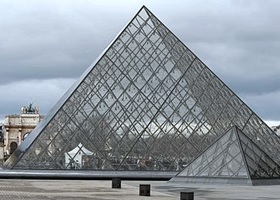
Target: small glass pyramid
[(147, 103), (232, 156), (222, 159)]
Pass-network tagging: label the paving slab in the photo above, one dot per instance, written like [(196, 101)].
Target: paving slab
[(102, 190), (73, 189)]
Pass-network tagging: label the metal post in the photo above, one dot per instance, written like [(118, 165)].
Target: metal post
[(186, 196), (116, 183), (144, 190)]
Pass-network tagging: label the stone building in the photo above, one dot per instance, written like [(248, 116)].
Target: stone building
[(1, 142), (276, 129), (17, 127)]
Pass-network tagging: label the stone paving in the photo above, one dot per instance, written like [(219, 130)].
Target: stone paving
[(102, 190), (71, 189)]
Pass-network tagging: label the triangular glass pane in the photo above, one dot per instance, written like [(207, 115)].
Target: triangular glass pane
[(259, 163)]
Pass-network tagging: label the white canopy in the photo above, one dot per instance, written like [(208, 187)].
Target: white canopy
[(75, 156)]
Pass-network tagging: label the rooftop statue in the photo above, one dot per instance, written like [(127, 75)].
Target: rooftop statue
[(29, 109)]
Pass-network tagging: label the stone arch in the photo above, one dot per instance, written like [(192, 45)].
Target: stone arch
[(13, 147)]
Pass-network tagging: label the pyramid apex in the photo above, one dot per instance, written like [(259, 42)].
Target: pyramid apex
[(144, 7)]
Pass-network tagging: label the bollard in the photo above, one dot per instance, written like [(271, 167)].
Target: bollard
[(116, 183), (144, 190), (186, 196)]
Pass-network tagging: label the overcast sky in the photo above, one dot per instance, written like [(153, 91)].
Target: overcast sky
[(46, 45)]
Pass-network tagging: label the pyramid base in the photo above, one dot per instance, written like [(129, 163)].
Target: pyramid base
[(224, 181), (268, 181)]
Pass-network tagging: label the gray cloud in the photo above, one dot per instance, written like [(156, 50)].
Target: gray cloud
[(53, 41), (43, 93)]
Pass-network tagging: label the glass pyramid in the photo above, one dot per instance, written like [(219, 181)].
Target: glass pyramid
[(233, 155), (147, 103)]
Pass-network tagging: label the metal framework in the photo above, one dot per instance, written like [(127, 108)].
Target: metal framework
[(147, 103)]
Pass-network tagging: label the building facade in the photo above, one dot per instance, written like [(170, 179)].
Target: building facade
[(17, 127), (2, 142), (276, 129)]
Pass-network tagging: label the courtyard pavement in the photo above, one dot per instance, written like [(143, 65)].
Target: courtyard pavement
[(102, 190)]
